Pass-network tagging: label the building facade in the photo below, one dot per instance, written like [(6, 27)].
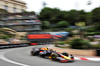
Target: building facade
[(21, 22), (13, 6)]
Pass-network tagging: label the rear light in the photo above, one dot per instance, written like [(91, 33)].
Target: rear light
[(72, 58), (41, 51)]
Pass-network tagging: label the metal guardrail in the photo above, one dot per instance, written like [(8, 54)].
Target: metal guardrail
[(3, 46)]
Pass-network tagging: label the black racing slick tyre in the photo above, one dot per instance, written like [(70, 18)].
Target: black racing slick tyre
[(54, 57)]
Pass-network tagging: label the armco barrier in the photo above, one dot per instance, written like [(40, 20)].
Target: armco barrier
[(2, 46)]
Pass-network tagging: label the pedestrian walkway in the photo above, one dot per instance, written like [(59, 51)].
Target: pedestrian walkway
[(79, 57)]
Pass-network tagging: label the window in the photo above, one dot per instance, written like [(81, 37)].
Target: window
[(14, 10), (6, 7), (22, 10)]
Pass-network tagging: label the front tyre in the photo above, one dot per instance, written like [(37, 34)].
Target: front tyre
[(54, 57)]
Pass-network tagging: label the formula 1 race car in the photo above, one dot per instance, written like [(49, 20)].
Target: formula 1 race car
[(53, 55)]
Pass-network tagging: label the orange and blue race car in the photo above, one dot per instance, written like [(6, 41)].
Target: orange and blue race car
[(53, 55)]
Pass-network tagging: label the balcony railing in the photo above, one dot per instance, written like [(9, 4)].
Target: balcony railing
[(20, 23), (19, 18), (28, 30)]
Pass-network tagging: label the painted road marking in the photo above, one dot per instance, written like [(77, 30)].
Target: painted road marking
[(10, 61), (89, 59)]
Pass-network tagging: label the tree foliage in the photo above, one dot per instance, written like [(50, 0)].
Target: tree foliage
[(80, 44), (62, 24), (96, 15), (45, 24), (2, 11), (49, 14), (54, 15), (89, 18), (69, 29), (7, 33), (97, 27)]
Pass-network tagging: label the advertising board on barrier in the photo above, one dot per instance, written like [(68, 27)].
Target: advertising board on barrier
[(59, 35), (39, 36), (46, 35)]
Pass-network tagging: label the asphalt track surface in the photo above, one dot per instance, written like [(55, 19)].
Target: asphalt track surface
[(21, 57)]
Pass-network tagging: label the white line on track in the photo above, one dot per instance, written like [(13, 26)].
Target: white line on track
[(10, 61)]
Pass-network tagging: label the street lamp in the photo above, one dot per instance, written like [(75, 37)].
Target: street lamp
[(89, 2)]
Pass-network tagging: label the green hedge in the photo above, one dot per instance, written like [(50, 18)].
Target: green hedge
[(61, 42), (91, 33), (80, 44), (95, 47)]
